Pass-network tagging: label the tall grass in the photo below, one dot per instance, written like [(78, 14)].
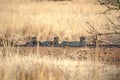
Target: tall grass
[(20, 20), (16, 66)]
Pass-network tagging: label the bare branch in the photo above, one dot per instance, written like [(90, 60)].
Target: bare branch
[(111, 5), (114, 25), (92, 28)]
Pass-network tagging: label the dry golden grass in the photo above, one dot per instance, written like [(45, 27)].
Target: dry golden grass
[(15, 66), (49, 19), (20, 19)]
